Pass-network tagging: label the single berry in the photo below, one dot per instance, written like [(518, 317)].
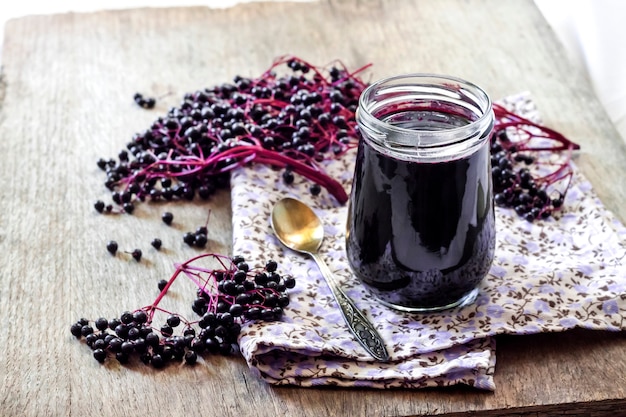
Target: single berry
[(126, 317), (289, 282), (200, 240), (240, 276), (157, 361), (99, 206), (76, 329), (129, 207), (102, 164), (112, 247), (236, 310), (167, 217), (102, 323), (261, 278), (167, 330), (136, 254), (149, 103), (271, 266), (173, 320), (189, 238), (191, 357), (156, 243), (288, 176), (140, 317), (315, 189), (100, 355)]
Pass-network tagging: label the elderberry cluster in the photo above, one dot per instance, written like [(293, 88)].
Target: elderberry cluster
[(291, 121), (251, 295), (227, 298), (514, 184), (131, 334)]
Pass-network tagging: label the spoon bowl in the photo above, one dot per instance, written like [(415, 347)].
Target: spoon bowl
[(298, 227)]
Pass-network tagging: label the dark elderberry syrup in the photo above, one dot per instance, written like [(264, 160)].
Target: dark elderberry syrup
[(421, 227)]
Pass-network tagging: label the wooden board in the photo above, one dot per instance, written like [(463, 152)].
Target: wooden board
[(67, 87)]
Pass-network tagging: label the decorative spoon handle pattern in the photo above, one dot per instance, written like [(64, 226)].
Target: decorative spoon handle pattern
[(358, 324)]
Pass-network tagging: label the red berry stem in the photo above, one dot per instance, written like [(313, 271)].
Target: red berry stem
[(183, 268), (507, 119)]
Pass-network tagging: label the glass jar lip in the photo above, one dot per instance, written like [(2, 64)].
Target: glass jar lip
[(483, 103)]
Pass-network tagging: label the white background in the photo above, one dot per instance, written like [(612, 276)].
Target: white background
[(593, 32), (594, 35)]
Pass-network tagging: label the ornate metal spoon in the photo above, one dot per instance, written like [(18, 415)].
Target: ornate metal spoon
[(297, 227)]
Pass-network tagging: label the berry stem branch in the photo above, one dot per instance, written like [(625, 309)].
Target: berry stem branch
[(506, 119), (180, 268)]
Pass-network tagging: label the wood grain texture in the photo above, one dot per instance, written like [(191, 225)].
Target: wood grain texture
[(67, 86)]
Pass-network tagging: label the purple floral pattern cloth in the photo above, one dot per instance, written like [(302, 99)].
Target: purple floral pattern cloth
[(547, 276)]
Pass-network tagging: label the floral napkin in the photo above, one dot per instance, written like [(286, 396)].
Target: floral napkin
[(547, 276)]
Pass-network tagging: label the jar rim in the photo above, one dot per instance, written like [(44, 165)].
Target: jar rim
[(480, 101)]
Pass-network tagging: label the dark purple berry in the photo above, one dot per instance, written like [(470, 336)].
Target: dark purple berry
[(289, 282), (157, 361), (100, 355), (236, 310), (173, 320), (128, 207), (112, 247), (102, 323), (136, 254), (271, 266), (167, 217), (189, 238), (200, 240), (240, 276), (114, 322), (76, 330), (191, 357), (315, 189), (99, 206), (140, 317), (167, 330), (261, 278), (126, 317), (102, 164), (91, 338), (288, 176), (86, 330), (115, 345), (152, 339)]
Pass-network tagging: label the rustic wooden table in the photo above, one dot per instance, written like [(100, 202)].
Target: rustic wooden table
[(67, 87)]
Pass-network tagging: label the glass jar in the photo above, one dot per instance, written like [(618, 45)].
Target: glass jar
[(421, 226)]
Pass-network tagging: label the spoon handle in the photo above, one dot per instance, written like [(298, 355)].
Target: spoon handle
[(358, 324)]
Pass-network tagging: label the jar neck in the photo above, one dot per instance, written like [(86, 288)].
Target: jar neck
[(425, 117)]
